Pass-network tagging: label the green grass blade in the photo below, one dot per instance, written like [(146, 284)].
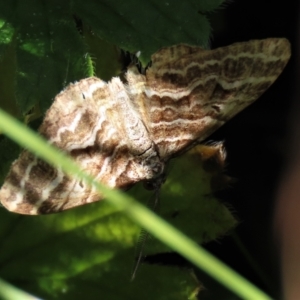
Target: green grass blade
[(9, 292), (143, 216)]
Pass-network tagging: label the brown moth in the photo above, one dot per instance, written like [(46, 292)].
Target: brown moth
[(123, 133)]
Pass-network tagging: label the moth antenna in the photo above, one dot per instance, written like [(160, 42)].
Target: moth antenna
[(139, 250), (144, 235)]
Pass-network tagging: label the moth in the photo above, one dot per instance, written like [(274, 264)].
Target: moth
[(126, 132)]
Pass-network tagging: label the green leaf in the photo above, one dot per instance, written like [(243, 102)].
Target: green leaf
[(83, 251), (91, 249), (50, 53), (188, 203), (6, 27), (51, 41), (149, 25)]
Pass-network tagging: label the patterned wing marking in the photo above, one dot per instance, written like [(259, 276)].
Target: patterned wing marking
[(191, 97), (97, 125)]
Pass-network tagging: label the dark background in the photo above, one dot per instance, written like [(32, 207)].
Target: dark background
[(258, 143)]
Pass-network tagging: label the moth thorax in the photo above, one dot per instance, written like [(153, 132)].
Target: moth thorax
[(151, 163)]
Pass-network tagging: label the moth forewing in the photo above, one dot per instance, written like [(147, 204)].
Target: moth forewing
[(127, 134), (190, 97)]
